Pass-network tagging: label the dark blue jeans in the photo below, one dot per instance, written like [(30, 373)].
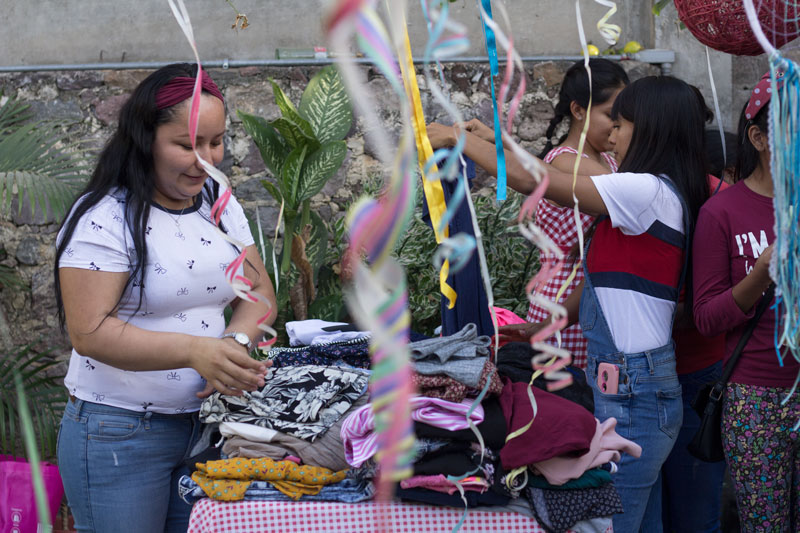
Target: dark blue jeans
[(692, 488)]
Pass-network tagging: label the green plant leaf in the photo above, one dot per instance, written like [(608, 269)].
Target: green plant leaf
[(658, 6), (294, 134), (291, 115), (319, 167), (326, 105), (290, 176), (317, 246), (273, 190), (45, 391), (272, 146), (9, 277)]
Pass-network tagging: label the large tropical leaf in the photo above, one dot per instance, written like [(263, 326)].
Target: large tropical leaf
[(294, 134), (273, 190), (319, 167), (272, 146), (291, 115), (317, 246), (46, 393), (13, 113), (290, 176), (326, 106)]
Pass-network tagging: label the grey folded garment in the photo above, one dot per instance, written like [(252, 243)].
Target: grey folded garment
[(326, 451), (461, 356)]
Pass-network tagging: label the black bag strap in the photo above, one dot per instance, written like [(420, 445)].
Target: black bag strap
[(766, 299)]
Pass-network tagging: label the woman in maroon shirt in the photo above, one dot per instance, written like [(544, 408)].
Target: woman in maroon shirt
[(732, 250)]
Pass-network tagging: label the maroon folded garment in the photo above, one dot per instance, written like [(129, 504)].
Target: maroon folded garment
[(561, 427)]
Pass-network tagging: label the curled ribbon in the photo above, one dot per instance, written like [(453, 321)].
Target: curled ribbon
[(240, 284), (377, 296)]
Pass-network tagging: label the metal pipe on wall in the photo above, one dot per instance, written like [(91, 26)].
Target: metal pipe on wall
[(226, 63)]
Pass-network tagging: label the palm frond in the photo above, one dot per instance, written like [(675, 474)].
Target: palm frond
[(44, 389)]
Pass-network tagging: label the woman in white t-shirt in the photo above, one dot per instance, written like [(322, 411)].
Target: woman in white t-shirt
[(634, 267), (141, 287)]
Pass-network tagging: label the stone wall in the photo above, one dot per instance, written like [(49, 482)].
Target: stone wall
[(88, 102)]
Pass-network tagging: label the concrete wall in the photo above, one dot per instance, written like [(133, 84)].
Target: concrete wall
[(90, 31)]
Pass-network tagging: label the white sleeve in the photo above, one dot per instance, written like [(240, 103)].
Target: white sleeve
[(635, 201), (236, 223), (99, 241)]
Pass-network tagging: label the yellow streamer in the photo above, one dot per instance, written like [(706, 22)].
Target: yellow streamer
[(434, 193)]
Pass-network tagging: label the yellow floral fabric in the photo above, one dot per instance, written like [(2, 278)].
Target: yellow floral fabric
[(228, 479)]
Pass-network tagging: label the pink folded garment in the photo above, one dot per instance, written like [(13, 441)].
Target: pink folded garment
[(440, 483), (506, 317), (606, 446), (360, 441)]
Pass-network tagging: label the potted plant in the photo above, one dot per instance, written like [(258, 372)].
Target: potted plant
[(302, 150)]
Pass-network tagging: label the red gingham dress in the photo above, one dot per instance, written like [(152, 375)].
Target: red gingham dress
[(559, 224)]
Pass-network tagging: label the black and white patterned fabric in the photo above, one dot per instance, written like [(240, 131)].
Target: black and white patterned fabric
[(559, 510), (303, 401)]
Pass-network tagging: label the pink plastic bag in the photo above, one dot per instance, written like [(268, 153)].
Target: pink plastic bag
[(17, 500)]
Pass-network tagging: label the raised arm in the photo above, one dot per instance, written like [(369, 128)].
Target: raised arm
[(485, 156)]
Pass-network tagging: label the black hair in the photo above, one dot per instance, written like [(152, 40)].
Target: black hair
[(667, 141), (126, 163), (748, 158), (607, 76), (716, 162)]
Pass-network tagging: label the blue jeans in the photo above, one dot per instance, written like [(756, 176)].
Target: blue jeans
[(648, 410), (692, 488), (121, 468)]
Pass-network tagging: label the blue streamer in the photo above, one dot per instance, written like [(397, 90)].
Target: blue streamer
[(494, 69)]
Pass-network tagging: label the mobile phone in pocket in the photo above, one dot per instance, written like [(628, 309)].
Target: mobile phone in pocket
[(608, 378)]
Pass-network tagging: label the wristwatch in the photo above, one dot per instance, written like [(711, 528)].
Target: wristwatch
[(240, 338)]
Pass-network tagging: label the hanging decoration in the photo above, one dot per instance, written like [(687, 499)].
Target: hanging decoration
[(240, 284), (724, 26), (784, 138), (377, 294)]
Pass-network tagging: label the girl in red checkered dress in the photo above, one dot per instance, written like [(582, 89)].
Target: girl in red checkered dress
[(558, 223)]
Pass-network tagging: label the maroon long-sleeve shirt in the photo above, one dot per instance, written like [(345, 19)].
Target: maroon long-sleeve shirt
[(734, 227)]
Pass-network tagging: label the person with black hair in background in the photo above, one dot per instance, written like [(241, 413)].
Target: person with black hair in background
[(141, 287), (557, 222), (635, 265), (760, 408)]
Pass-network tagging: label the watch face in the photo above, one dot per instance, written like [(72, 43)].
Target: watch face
[(242, 339)]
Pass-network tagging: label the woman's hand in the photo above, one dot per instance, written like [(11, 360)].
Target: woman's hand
[(478, 128), (442, 136), (519, 332), (761, 267), (226, 366)]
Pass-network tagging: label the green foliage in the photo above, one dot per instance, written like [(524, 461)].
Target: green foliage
[(302, 150), (45, 391), (510, 258), (511, 261), (35, 163), (659, 5)]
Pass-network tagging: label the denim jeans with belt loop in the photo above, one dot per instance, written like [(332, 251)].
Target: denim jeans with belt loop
[(648, 409), (121, 468)]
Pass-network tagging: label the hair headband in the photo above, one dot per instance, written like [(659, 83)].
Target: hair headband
[(180, 88), (761, 94)]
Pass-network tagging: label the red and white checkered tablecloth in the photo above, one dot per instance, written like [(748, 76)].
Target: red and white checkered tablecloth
[(209, 516)]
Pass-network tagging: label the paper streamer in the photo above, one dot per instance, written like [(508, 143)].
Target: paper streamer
[(434, 194), (240, 284), (377, 296), (552, 358), (494, 70), (784, 138)]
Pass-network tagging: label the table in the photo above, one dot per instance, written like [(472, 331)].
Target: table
[(210, 516)]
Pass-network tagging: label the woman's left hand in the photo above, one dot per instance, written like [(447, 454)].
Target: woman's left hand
[(442, 136)]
